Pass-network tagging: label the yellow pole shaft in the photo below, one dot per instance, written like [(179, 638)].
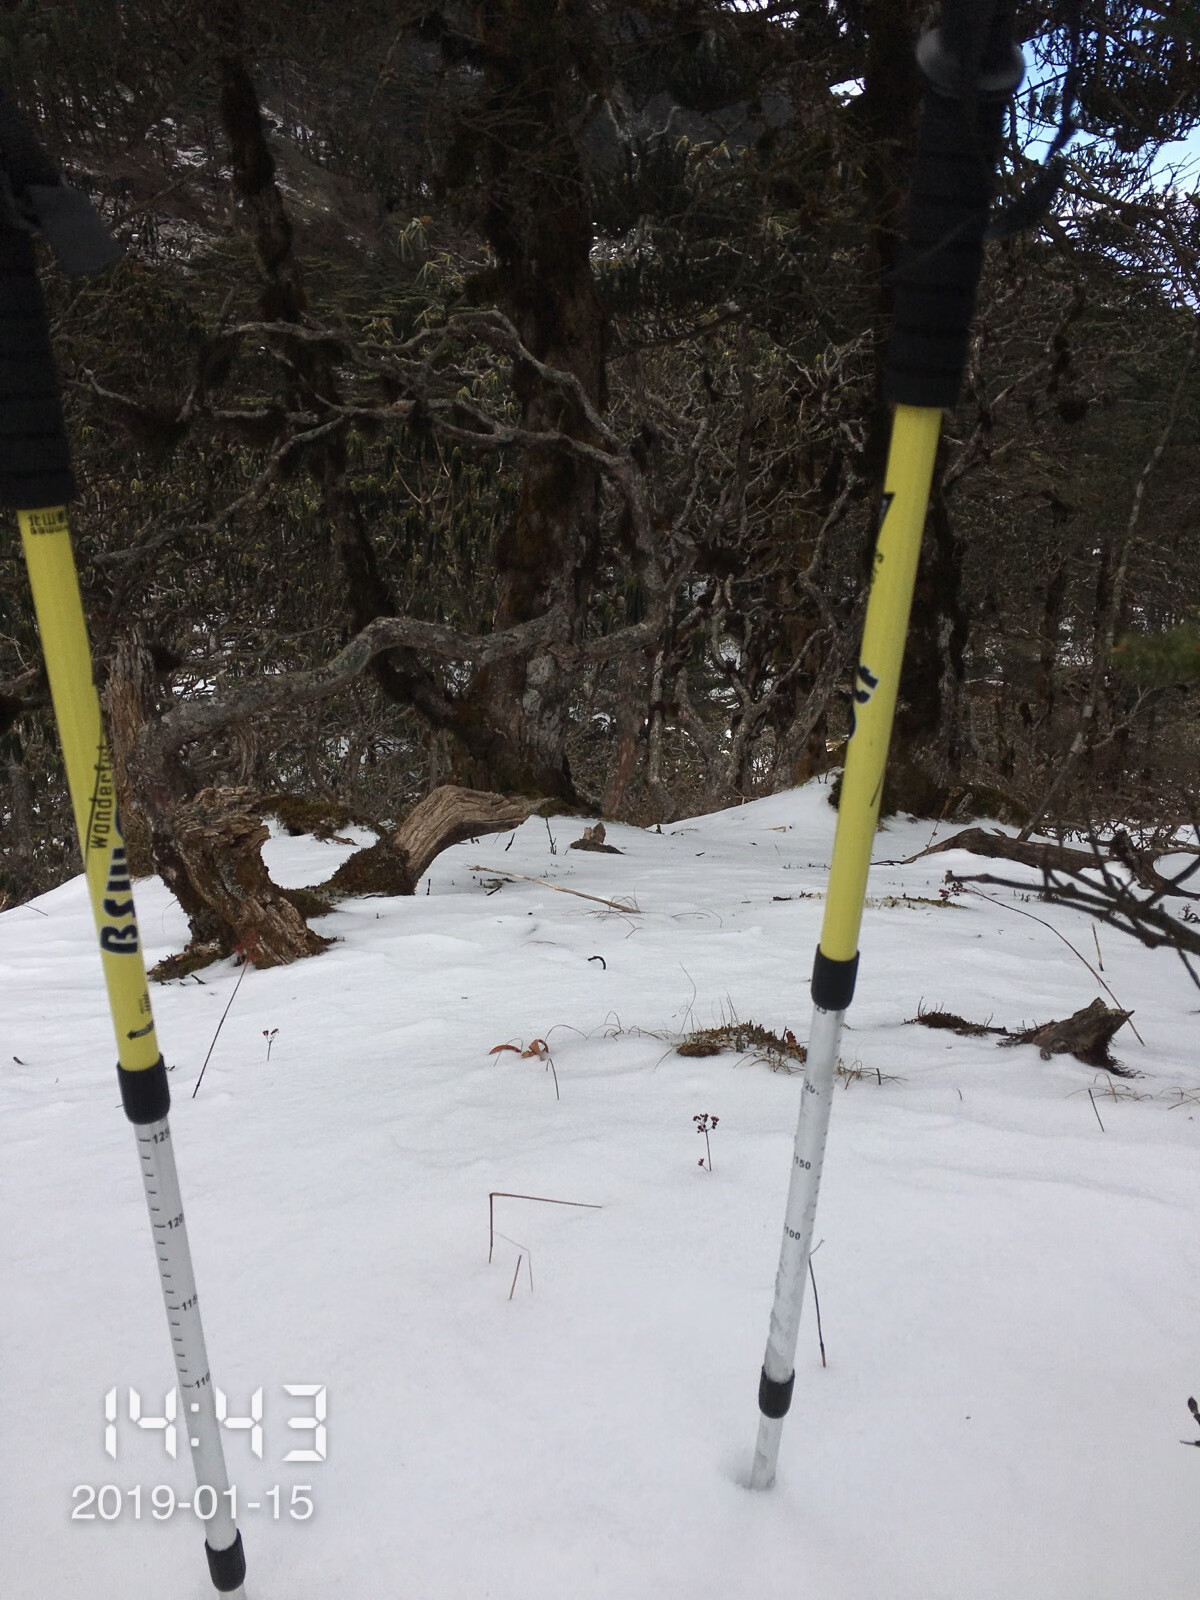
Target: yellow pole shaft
[(915, 431), (55, 584), (906, 500)]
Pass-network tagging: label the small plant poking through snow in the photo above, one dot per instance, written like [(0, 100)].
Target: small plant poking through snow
[(936, 1017), (269, 1036), (749, 1039), (706, 1123), (535, 1050)]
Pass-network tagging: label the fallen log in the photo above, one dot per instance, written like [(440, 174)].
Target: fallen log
[(1001, 847), (448, 816)]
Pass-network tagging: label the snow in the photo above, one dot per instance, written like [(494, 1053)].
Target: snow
[(1010, 1295)]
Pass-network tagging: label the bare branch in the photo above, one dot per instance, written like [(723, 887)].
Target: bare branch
[(197, 719)]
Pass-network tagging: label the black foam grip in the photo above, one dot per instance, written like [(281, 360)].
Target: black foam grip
[(35, 459), (939, 270)]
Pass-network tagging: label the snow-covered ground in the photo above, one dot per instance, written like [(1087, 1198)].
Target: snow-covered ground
[(1010, 1295)]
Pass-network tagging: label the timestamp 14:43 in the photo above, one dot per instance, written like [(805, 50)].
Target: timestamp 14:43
[(108, 1502)]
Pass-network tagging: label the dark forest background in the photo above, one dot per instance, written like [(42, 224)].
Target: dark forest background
[(490, 397)]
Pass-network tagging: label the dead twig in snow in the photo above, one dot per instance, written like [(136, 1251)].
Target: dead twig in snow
[(817, 1304), (626, 906), (541, 1199), (220, 1025), (991, 899)]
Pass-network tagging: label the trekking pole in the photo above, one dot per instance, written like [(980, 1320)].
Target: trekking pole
[(971, 68), (36, 482)]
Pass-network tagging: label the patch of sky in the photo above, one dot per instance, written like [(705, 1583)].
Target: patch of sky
[(1172, 164)]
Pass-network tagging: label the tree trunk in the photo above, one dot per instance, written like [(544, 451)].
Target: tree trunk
[(209, 850), (801, 721), (18, 836), (1045, 687), (929, 711), (129, 699), (631, 720), (512, 728), (538, 224), (448, 816)]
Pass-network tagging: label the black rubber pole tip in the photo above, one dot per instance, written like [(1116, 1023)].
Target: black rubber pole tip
[(227, 1567)]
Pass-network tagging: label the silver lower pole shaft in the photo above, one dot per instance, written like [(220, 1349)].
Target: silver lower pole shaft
[(197, 1395), (812, 1128)]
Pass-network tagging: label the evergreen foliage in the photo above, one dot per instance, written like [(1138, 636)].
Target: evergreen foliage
[(587, 308), (1161, 659)]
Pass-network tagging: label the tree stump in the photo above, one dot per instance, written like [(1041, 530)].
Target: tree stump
[(215, 843), (1086, 1035), (593, 839), (209, 851)]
